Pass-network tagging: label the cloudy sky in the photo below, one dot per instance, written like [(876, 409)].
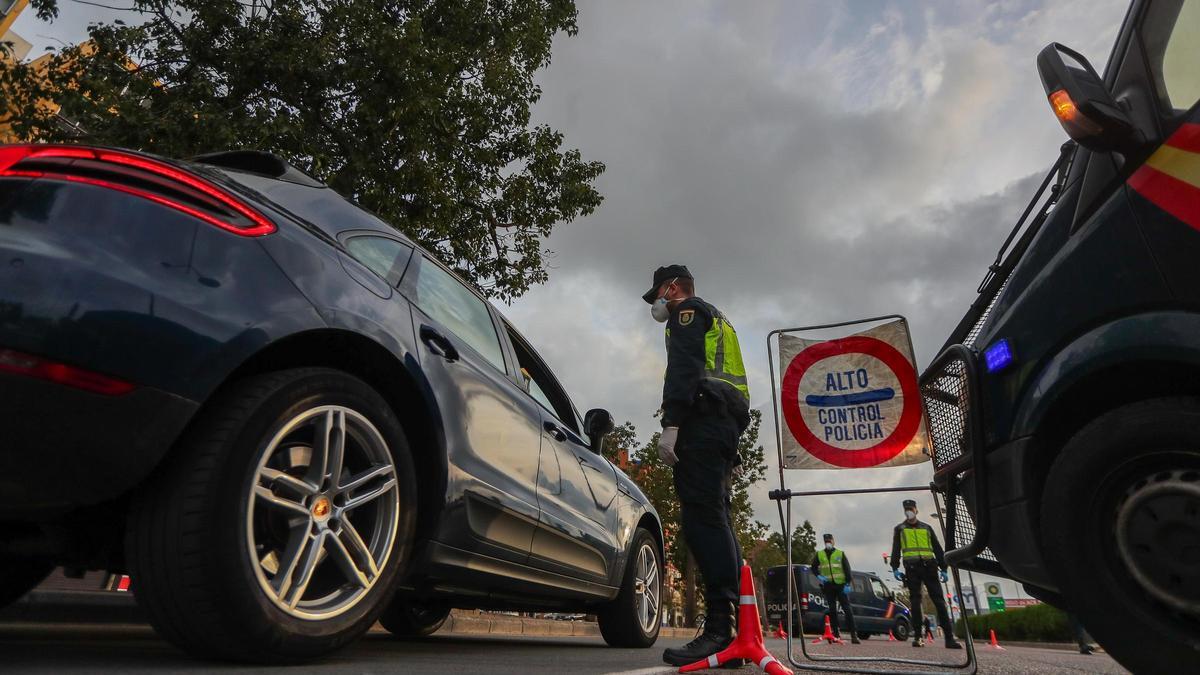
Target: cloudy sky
[(811, 162)]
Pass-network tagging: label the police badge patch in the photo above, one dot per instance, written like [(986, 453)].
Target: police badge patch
[(686, 316)]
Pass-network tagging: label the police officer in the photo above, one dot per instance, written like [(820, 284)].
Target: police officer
[(917, 545), (705, 409), (832, 568)]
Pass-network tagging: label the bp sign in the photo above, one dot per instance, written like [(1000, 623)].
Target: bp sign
[(995, 600), (851, 402)]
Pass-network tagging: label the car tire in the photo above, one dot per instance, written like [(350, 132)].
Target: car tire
[(20, 576), (633, 618), (245, 490), (1117, 514), (407, 619), (865, 636), (901, 630)]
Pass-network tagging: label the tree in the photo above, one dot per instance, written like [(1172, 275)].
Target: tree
[(417, 109), (622, 437), (804, 543)]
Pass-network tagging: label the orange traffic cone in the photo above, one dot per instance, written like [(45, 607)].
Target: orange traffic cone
[(828, 636), (749, 643), (780, 632), (995, 645), (891, 636)]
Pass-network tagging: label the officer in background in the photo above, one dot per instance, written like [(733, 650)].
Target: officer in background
[(705, 409), (917, 545), (832, 568)]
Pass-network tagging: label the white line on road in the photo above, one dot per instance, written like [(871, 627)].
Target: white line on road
[(661, 670)]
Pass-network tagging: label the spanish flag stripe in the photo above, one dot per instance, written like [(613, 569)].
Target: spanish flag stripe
[(1187, 137), (1179, 164), (1170, 194)]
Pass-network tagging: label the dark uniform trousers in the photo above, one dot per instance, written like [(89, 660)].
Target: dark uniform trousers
[(706, 447), (835, 596), (924, 573)]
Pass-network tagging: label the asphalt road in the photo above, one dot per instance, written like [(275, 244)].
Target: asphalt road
[(64, 649)]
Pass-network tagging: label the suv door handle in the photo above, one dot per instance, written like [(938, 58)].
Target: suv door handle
[(438, 344), (556, 433)]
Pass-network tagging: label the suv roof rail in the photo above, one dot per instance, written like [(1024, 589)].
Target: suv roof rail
[(260, 162)]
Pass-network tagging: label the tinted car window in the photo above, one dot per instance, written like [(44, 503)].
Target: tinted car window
[(453, 305), (878, 587), (380, 254), (859, 585), (540, 384)]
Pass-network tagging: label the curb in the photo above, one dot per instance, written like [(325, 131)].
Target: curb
[(50, 606), (111, 607)]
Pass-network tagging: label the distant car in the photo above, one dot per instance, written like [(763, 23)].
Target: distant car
[(876, 609), (283, 418)]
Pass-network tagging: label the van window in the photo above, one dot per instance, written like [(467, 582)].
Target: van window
[(880, 590), (1172, 36), (860, 585)]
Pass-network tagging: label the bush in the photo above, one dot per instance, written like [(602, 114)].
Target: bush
[(1036, 623)]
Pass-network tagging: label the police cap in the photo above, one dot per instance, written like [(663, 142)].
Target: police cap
[(664, 274), (827, 537), (910, 503)]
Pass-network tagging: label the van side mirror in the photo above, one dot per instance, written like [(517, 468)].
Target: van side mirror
[(1088, 113), (597, 424)]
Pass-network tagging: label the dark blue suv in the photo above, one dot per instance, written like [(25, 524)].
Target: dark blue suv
[(876, 609), (284, 419)]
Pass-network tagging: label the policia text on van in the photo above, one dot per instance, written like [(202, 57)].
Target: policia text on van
[(1065, 407)]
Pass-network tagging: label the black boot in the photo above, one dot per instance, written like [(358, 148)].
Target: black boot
[(718, 633)]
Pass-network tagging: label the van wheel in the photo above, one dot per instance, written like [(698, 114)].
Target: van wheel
[(275, 530), (865, 636), (20, 576), (406, 618), (632, 619), (901, 630), (1120, 526)]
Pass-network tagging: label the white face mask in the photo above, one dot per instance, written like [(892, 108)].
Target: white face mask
[(910, 515), (659, 309), (828, 547)]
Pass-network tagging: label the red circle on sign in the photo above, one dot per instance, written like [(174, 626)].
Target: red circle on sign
[(894, 444)]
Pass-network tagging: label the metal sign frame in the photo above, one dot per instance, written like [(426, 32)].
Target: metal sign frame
[(970, 666)]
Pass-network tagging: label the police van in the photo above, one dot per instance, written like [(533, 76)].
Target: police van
[(876, 609), (1064, 409)]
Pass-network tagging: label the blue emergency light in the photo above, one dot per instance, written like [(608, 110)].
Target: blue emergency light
[(998, 356)]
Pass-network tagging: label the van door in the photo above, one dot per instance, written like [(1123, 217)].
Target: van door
[(1165, 190), (867, 612)]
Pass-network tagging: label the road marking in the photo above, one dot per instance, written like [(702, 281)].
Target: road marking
[(661, 670)]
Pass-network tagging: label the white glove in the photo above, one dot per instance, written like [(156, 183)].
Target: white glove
[(666, 445)]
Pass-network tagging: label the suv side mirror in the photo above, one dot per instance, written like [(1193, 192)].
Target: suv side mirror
[(597, 424), (1088, 113)]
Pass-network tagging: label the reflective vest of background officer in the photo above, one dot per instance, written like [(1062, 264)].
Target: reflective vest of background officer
[(832, 568), (705, 408), (917, 545)]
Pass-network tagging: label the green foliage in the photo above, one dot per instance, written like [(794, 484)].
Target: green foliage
[(417, 109), (1036, 623), (804, 544), (622, 437)]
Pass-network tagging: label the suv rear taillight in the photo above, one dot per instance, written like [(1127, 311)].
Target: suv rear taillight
[(138, 175)]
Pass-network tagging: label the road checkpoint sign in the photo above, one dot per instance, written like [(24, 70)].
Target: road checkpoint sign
[(851, 402)]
